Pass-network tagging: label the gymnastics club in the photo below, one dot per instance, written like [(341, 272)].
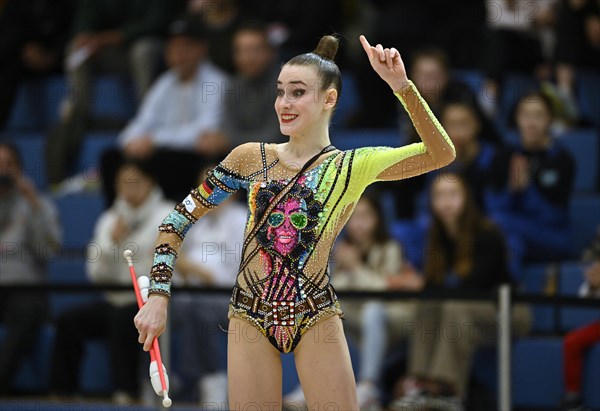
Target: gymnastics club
[(160, 385)]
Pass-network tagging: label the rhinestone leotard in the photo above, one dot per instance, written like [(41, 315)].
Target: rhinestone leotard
[(283, 287)]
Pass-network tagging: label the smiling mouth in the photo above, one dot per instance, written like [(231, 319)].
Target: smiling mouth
[(288, 118), (285, 239)]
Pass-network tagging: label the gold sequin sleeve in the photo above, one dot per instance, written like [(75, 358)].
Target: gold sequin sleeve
[(434, 151)]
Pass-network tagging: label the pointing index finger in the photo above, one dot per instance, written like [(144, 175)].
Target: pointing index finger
[(366, 46)]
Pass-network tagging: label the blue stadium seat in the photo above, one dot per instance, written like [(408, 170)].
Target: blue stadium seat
[(28, 108), (349, 101), (412, 235), (94, 145), (475, 79), (70, 268), (113, 97), (33, 373), (591, 379), (515, 85), (537, 380), (31, 146), (588, 95), (78, 213), (571, 278), (95, 377), (534, 280), (584, 146), (349, 139), (584, 214)]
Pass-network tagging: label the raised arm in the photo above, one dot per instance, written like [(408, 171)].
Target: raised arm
[(436, 149)]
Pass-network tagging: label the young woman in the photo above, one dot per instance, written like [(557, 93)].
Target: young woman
[(464, 251), (530, 185), (300, 194)]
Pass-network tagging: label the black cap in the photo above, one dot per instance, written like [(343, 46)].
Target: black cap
[(189, 27)]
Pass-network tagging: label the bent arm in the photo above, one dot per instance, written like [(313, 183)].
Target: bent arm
[(219, 184), (436, 149)]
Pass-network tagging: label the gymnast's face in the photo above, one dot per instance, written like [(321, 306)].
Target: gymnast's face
[(302, 108)]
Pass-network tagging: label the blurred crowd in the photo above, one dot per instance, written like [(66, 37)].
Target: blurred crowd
[(204, 73)]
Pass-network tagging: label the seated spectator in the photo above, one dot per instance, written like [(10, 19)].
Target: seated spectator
[(464, 252), (577, 43), (109, 37), (249, 107), (221, 19), (430, 71), (30, 234), (474, 154), (210, 257), (178, 123), (366, 258), (129, 224), (454, 27), (530, 186), (34, 34), (519, 37), (577, 342)]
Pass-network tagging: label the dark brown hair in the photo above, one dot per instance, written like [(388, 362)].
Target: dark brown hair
[(539, 95), (381, 234), (321, 59), (470, 222), (12, 148)]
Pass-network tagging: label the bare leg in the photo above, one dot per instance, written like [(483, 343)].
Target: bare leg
[(253, 369), (324, 367)]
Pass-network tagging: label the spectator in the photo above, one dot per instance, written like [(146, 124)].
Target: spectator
[(454, 28), (220, 19), (30, 234), (464, 252), (366, 258), (577, 42), (519, 38), (578, 341), (430, 71), (294, 29), (33, 35), (179, 121), (249, 108), (474, 154), (210, 257), (530, 186), (128, 224), (109, 36)]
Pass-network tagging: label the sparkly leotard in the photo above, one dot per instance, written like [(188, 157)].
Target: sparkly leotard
[(283, 287)]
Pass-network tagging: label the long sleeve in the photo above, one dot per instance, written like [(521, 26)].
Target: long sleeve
[(220, 183), (434, 151)]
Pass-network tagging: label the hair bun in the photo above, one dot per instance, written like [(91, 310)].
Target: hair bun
[(327, 47)]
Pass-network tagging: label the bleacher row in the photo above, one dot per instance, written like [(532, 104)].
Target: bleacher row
[(537, 377)]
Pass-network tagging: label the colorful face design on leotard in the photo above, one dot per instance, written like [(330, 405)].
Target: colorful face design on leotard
[(285, 223)]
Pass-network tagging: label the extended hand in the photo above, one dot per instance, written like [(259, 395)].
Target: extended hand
[(387, 63)]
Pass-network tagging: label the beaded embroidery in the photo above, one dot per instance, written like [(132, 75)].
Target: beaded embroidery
[(290, 230)]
